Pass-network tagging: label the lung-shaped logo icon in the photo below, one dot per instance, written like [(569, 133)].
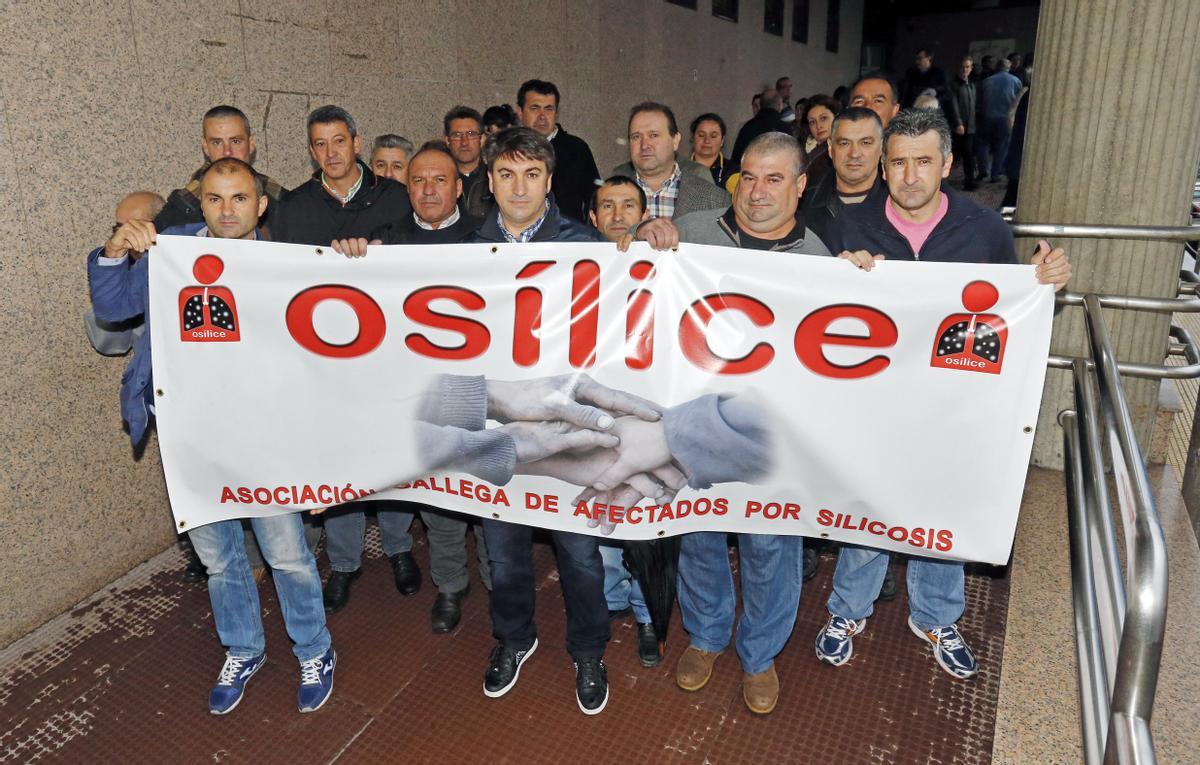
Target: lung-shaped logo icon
[(207, 314), (974, 341)]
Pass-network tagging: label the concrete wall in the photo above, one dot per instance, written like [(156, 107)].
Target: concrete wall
[(97, 99)]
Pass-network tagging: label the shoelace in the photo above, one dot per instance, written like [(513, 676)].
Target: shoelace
[(310, 671), (948, 639), (231, 669), (839, 628), (589, 672)]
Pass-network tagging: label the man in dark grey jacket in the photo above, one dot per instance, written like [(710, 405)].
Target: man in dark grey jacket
[(961, 116), (763, 217)]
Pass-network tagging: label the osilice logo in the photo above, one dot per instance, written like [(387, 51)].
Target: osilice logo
[(207, 314), (974, 341)]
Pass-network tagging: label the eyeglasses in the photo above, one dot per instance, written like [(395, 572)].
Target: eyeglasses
[(470, 135)]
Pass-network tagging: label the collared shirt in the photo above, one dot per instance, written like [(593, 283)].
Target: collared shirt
[(661, 203), (345, 200), (450, 221), (527, 234), (553, 134)]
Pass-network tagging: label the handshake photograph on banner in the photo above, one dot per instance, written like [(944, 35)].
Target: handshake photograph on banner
[(616, 447)]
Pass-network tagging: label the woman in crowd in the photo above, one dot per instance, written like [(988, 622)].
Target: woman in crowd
[(818, 118), (708, 148)]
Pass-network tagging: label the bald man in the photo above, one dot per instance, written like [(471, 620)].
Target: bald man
[(111, 338)]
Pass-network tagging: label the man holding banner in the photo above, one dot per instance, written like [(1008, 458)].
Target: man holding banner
[(763, 217), (232, 199), (920, 219)]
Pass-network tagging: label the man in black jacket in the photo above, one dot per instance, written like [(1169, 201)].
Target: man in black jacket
[(855, 148), (767, 120), (343, 199), (463, 128), (961, 117), (918, 219), (576, 175), (225, 132)]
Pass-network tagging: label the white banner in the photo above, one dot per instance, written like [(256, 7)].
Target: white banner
[(893, 409)]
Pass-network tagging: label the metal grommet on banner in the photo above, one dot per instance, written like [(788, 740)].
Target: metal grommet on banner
[(496, 516), (182, 524), (159, 392), (824, 535), (1026, 429), (662, 533), (495, 249), (320, 251)]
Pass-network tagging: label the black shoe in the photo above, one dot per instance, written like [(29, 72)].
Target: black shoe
[(408, 576), (591, 685), (504, 667), (648, 652), (619, 613), (888, 591), (337, 589), (447, 610), (194, 572), (811, 563)]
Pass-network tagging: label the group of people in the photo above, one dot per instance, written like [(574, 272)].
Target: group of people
[(882, 195)]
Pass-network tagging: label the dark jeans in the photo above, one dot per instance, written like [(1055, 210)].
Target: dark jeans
[(580, 570), (964, 153), (993, 140)]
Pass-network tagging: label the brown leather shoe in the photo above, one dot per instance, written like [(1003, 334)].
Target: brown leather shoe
[(695, 667), (761, 691)]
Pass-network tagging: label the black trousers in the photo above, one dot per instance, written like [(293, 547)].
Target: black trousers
[(580, 571), (963, 147)]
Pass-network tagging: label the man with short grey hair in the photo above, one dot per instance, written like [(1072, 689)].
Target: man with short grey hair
[(919, 219), (390, 155)]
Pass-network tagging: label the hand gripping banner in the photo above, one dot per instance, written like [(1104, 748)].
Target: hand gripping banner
[(570, 385)]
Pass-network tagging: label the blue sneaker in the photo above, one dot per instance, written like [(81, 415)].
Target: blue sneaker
[(833, 641), (949, 648), (231, 683), (316, 681)]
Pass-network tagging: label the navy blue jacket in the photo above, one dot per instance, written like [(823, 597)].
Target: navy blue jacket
[(119, 291), (556, 228), (968, 234)]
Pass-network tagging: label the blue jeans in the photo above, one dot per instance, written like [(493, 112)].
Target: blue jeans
[(936, 594), (771, 570), (234, 594), (580, 571), (996, 135), (346, 525), (621, 589)]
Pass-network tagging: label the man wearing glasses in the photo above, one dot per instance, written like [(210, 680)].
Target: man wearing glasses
[(463, 127)]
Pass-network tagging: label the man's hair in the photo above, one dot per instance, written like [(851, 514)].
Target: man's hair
[(773, 142), (771, 99), (927, 52), (709, 117), (461, 113), (1004, 65), (392, 141), (500, 114), (541, 87), (153, 201), (522, 142), (912, 123), (619, 180), (968, 58), (756, 97), (435, 146), (878, 75), (323, 115), (225, 111), (232, 165), (654, 106), (780, 81), (857, 114)]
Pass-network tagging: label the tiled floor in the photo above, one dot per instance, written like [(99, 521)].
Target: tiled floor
[(123, 679)]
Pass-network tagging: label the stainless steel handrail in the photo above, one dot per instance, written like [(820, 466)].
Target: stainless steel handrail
[(1084, 231), (1118, 678), (1184, 345)]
